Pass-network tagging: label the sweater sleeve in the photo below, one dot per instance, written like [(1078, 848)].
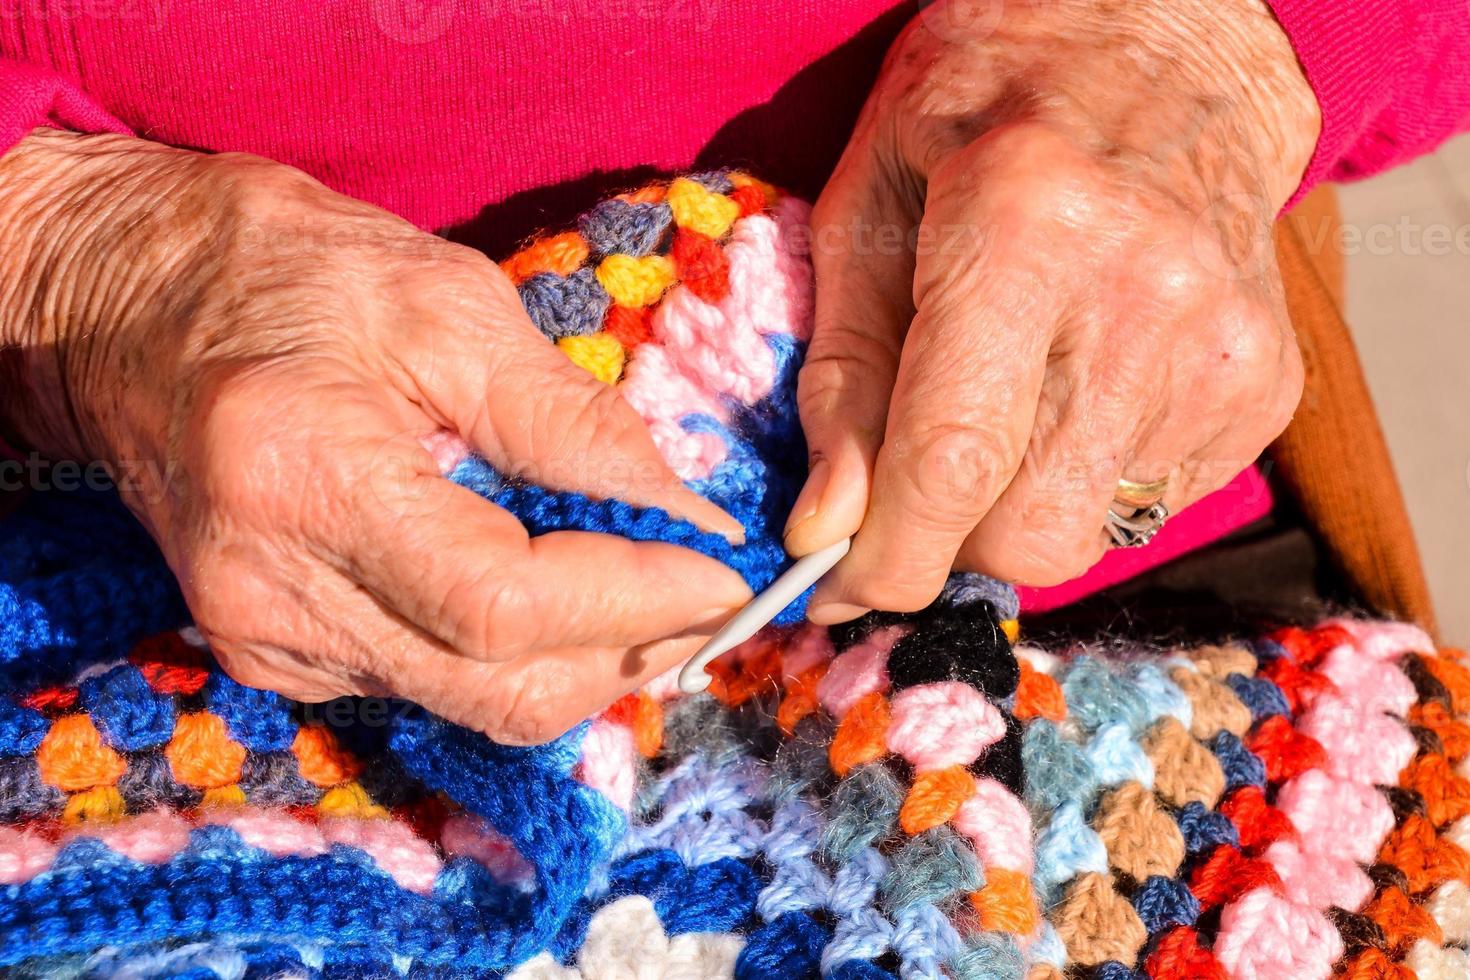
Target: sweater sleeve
[(32, 96), (1392, 77)]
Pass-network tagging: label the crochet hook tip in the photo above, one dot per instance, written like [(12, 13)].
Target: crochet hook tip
[(765, 607)]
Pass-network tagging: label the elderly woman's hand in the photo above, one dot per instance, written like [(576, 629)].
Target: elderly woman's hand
[(1044, 264), (276, 351)]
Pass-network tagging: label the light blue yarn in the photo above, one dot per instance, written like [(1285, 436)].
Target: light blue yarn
[(1161, 695), (1066, 848), (1117, 758)]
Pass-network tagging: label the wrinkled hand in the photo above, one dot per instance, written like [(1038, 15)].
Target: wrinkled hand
[(279, 350), (1043, 264)]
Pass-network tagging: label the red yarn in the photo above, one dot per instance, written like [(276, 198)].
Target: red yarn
[(702, 265), (169, 665), (1300, 686), (1285, 751), (752, 199), (1257, 822), (1179, 956), (1228, 873), (628, 326), (51, 700), (1309, 646)]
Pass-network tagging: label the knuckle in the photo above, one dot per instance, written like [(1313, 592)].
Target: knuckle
[(843, 366), (488, 617), (1175, 280), (893, 595), (528, 710), (1037, 559), (952, 469)]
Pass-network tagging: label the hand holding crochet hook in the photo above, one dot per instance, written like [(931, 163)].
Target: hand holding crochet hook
[(1086, 292)]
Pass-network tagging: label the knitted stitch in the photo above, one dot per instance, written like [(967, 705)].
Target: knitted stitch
[(906, 795)]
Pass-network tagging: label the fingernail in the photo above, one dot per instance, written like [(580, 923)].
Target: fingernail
[(809, 501), (828, 613), (709, 516)]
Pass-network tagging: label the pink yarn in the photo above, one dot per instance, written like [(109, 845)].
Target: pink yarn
[(653, 385), (23, 855), (1364, 747), (610, 761), (1264, 936), (810, 646), (1373, 684), (858, 671), (1386, 641), (277, 833), (465, 835), (997, 823), (394, 847), (935, 726), (1318, 880), (780, 303), (151, 838), (1336, 818)]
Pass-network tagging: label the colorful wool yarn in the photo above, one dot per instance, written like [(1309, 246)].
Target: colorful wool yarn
[(906, 796)]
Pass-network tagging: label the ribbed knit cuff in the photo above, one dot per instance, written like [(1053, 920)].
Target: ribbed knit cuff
[(31, 97), (1353, 55)]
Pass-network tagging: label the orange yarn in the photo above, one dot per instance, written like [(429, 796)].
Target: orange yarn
[(801, 698), (1426, 859), (859, 736), (644, 717), (72, 756), (934, 798), (1453, 733), (1005, 904), (737, 681), (202, 754), (562, 254), (652, 194), (1403, 922), (322, 759), (1373, 964), (1453, 675), (1446, 794), (1038, 696)]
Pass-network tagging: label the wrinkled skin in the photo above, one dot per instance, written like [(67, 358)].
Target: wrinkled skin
[(1087, 296), (1076, 286), (278, 349)]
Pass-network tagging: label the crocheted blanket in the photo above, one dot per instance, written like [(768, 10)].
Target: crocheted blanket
[(906, 795)]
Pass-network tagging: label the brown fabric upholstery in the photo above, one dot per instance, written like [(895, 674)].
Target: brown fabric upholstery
[(1333, 458)]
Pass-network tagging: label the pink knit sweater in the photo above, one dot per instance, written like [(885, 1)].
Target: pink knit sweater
[(488, 120)]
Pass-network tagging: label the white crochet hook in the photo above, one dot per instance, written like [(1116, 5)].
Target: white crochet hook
[(760, 611)]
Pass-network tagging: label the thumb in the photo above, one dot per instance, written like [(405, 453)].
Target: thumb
[(531, 412), (864, 265)]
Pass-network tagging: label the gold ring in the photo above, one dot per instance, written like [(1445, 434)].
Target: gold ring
[(1141, 495)]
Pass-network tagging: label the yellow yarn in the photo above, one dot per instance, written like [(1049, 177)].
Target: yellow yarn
[(1011, 628), (633, 281), (702, 210), (101, 804), (224, 796), (349, 800), (599, 354)]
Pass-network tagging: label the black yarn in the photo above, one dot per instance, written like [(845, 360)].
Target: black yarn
[(973, 650), (1403, 802), (1386, 876), (1426, 685), (1358, 931), (1002, 760)]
